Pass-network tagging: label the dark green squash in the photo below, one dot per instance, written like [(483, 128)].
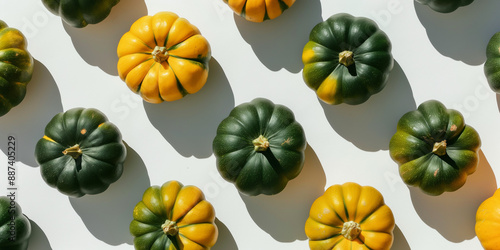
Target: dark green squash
[(445, 6), (15, 228), (80, 13), (259, 147), (492, 64), (81, 152), (16, 67), (347, 59), (434, 148)]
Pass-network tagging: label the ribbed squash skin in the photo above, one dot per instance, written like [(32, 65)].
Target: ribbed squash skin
[(163, 58), (423, 159), (12, 210), (191, 219), (488, 222), (99, 161), (80, 13), (350, 203), (16, 67), (337, 78), (259, 10), (492, 64), (257, 172), (445, 6)]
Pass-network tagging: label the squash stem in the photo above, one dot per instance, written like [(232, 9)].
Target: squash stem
[(350, 230), (346, 58), (439, 148), (160, 54), (170, 228), (260, 143), (74, 151)]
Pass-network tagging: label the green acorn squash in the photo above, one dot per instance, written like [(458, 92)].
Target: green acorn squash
[(15, 228), (445, 6), (80, 13), (434, 148), (81, 152), (16, 67), (492, 64), (347, 59), (259, 147)]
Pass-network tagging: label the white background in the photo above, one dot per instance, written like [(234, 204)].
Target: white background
[(437, 56)]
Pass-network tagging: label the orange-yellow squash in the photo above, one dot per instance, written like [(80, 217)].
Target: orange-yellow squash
[(163, 57), (259, 10), (350, 216), (174, 217), (488, 222)]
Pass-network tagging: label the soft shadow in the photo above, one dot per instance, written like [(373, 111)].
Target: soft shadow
[(107, 215), (225, 241), (190, 124), (498, 101), (27, 120), (452, 214), (374, 122), (278, 43), (456, 35), (38, 240), (400, 242), (97, 43), (283, 215)]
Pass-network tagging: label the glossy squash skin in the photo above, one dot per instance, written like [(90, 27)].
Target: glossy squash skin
[(259, 147), (445, 6), (347, 59), (488, 222), (16, 67), (15, 228), (80, 13), (173, 217), (259, 10), (163, 58), (492, 64), (434, 148), (350, 216), (81, 152)]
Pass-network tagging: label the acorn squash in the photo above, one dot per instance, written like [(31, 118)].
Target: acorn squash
[(259, 10), (81, 152), (16, 67), (163, 58), (80, 13), (15, 228), (259, 147), (347, 59), (173, 217), (350, 216), (434, 148)]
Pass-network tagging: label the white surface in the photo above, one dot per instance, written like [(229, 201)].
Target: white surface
[(438, 56)]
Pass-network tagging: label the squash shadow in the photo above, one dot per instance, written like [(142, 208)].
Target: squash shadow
[(107, 215), (284, 215), (106, 35), (225, 241), (374, 122), (452, 214), (38, 240), (456, 34), (190, 124), (498, 101), (400, 242), (27, 120), (278, 43)]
